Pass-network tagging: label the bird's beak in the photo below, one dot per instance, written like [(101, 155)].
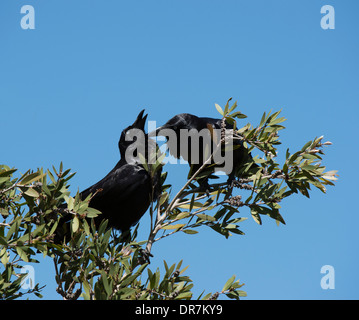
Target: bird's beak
[(140, 121)]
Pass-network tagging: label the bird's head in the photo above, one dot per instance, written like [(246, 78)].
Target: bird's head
[(132, 132), (178, 122)]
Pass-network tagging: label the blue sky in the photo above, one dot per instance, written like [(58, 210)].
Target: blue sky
[(69, 87)]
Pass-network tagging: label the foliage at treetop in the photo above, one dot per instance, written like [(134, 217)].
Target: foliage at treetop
[(100, 263)]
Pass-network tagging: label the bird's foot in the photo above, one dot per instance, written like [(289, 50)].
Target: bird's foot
[(125, 236), (205, 189), (232, 182), (144, 256)]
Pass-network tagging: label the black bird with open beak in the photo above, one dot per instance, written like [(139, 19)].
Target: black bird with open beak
[(126, 192), (178, 147)]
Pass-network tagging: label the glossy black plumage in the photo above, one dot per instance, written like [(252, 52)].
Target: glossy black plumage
[(187, 121), (125, 193)]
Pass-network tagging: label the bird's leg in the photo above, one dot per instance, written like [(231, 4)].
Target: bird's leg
[(204, 186), (232, 182), (144, 256), (125, 236)]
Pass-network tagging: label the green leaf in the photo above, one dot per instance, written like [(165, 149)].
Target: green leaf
[(4, 179), (238, 115), (309, 167), (4, 257), (241, 293), (106, 284), (226, 107), (229, 283), (37, 230), (189, 231), (70, 202), (194, 205), (256, 216), (236, 294), (7, 173), (219, 109), (182, 215), (31, 192), (22, 254), (271, 212), (330, 175), (31, 178), (287, 154), (152, 277), (87, 288), (306, 146), (206, 217), (207, 296), (143, 162), (276, 121), (173, 226), (75, 224), (293, 157), (192, 202), (3, 241), (126, 293), (159, 163), (233, 106), (164, 197), (263, 120), (184, 295), (231, 226), (14, 228), (92, 212)]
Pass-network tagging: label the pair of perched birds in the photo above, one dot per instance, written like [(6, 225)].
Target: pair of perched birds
[(126, 192)]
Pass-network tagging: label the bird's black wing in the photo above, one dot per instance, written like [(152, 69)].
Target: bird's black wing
[(122, 196), (120, 182)]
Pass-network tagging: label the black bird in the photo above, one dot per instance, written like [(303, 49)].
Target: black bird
[(184, 148), (125, 193)]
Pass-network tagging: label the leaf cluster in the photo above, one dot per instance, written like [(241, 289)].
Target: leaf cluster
[(260, 189), (98, 263)]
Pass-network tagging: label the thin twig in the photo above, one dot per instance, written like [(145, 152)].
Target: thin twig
[(11, 187), (161, 217)]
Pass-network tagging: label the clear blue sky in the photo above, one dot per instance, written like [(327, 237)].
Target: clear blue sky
[(69, 87)]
